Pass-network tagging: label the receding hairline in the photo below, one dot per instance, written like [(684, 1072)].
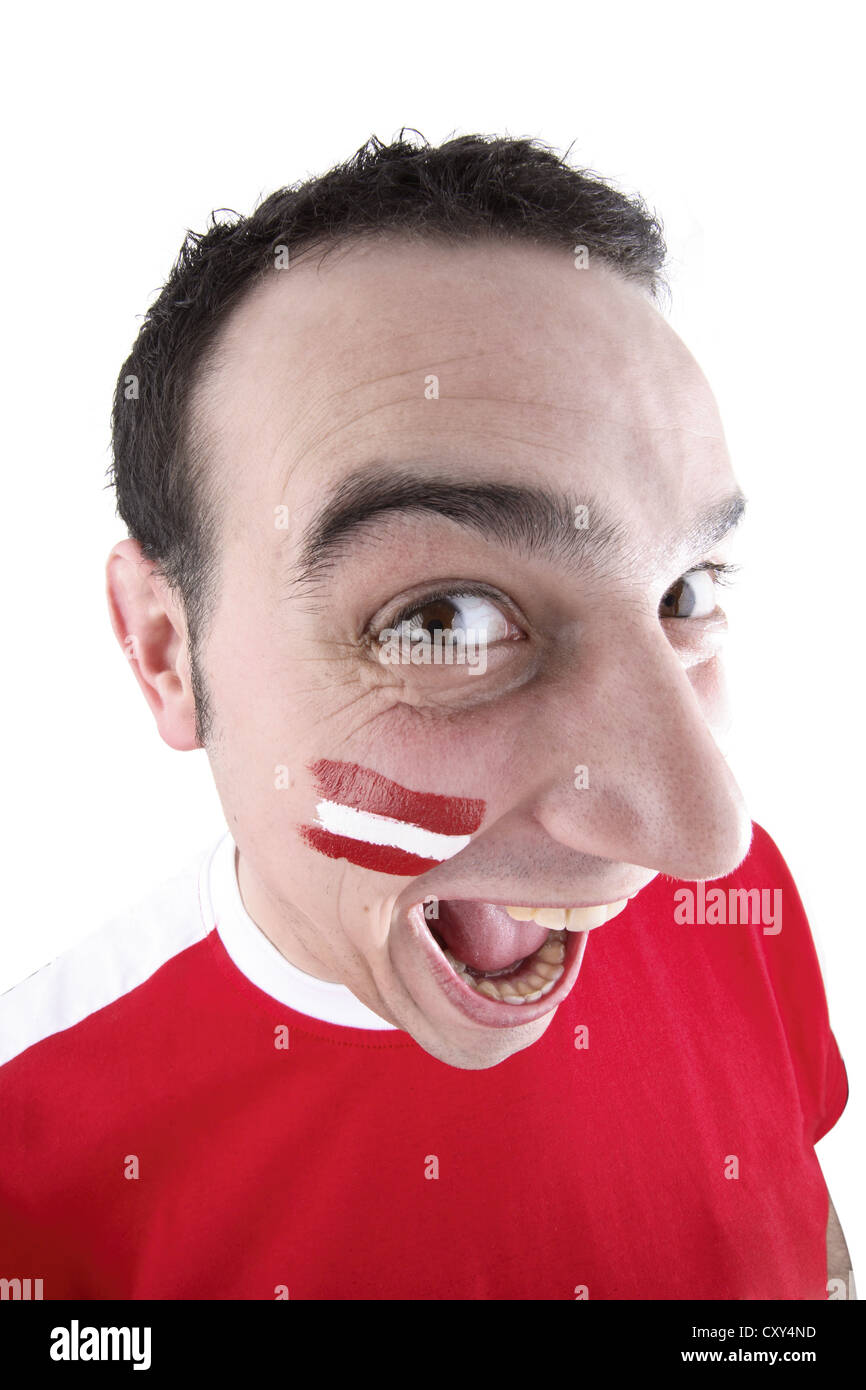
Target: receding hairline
[(203, 435)]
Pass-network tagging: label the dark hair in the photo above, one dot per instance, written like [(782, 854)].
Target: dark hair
[(469, 187)]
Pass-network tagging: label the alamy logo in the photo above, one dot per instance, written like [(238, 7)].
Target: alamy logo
[(714, 907), (76, 1343), (452, 646)]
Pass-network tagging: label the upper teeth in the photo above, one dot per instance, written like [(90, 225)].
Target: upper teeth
[(571, 918)]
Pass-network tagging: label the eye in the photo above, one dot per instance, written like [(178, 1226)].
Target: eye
[(459, 612), (693, 595)]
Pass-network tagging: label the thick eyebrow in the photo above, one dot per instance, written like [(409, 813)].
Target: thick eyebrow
[(713, 525), (525, 518)]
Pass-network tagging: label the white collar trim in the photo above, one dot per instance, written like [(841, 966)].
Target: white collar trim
[(259, 960)]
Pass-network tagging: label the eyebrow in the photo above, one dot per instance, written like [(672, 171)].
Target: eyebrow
[(525, 518)]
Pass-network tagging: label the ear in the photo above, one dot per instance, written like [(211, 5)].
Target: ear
[(149, 624)]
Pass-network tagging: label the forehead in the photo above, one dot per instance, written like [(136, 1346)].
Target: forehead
[(496, 361)]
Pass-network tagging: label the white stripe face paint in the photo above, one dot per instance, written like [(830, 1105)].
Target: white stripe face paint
[(381, 830)]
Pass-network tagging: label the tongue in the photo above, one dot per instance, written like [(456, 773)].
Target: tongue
[(485, 937)]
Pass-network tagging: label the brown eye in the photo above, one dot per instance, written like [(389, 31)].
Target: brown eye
[(438, 616), (693, 596), (478, 617)]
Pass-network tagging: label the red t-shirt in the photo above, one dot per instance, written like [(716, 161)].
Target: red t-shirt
[(176, 1142)]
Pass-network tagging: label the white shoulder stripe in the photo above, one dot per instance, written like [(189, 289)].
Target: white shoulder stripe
[(109, 963)]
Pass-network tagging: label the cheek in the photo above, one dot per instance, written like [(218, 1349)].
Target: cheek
[(710, 686), (377, 823)]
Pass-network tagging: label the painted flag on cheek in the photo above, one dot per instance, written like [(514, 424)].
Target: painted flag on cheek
[(371, 821)]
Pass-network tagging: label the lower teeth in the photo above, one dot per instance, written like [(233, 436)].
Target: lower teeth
[(538, 975)]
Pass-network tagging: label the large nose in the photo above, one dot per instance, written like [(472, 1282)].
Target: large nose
[(657, 790)]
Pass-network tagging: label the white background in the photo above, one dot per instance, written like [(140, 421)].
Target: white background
[(741, 123)]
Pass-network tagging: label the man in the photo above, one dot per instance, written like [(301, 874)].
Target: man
[(428, 510)]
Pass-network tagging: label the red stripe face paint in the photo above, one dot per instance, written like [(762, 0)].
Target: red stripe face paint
[(378, 824)]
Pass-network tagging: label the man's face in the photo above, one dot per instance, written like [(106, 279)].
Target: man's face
[(446, 379)]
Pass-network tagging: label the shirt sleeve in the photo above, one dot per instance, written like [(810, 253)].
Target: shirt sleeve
[(794, 970)]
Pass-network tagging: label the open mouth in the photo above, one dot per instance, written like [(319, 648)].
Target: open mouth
[(528, 979), (494, 961)]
